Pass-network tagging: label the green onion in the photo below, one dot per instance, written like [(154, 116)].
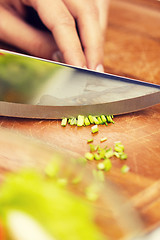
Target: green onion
[(109, 153), (73, 121), (92, 147), (97, 156), (103, 118), (108, 165), (80, 121), (94, 129), (90, 117), (64, 122), (89, 156), (109, 119), (90, 140), (125, 169), (103, 139), (95, 120), (102, 153), (86, 121), (101, 166), (99, 120), (123, 156), (116, 154)]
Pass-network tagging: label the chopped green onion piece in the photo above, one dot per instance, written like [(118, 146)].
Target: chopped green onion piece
[(109, 153), (92, 147), (64, 122), (125, 169), (119, 148), (103, 139), (89, 156), (116, 154), (86, 121), (106, 123), (109, 119), (97, 156), (102, 153), (73, 121), (80, 121), (95, 120), (103, 118), (101, 166), (90, 117), (123, 156), (90, 140), (99, 120), (62, 182), (94, 129), (108, 165)]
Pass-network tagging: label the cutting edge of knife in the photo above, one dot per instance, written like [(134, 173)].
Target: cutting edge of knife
[(58, 112)]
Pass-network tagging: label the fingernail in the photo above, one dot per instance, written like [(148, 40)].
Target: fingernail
[(57, 56), (100, 68)]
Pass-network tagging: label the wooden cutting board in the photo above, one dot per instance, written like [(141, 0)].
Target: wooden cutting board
[(132, 49)]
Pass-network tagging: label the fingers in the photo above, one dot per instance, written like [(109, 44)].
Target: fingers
[(60, 22), (87, 17), (15, 31)]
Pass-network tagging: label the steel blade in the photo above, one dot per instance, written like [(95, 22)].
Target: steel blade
[(38, 88)]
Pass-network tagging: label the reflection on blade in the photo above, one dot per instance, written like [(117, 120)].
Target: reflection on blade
[(32, 87)]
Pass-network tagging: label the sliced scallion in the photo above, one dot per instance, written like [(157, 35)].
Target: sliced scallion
[(64, 122), (125, 169), (80, 121), (94, 129)]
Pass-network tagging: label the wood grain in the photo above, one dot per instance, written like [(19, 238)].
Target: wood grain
[(132, 49)]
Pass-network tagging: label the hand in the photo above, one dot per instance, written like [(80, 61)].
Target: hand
[(76, 29)]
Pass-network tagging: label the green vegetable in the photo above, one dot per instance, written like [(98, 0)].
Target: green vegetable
[(90, 117), (97, 156), (123, 156), (101, 166), (125, 169), (86, 121), (108, 164), (103, 139), (95, 120), (90, 140), (94, 129), (104, 120), (89, 156), (64, 122), (62, 214), (80, 121), (92, 147)]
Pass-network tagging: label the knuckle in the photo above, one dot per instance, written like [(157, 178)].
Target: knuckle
[(91, 10), (64, 21)]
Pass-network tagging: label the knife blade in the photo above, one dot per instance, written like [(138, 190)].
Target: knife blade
[(38, 88)]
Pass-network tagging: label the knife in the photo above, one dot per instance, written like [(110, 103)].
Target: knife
[(32, 87)]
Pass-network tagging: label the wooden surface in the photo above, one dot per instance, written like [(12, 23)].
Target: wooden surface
[(132, 49)]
